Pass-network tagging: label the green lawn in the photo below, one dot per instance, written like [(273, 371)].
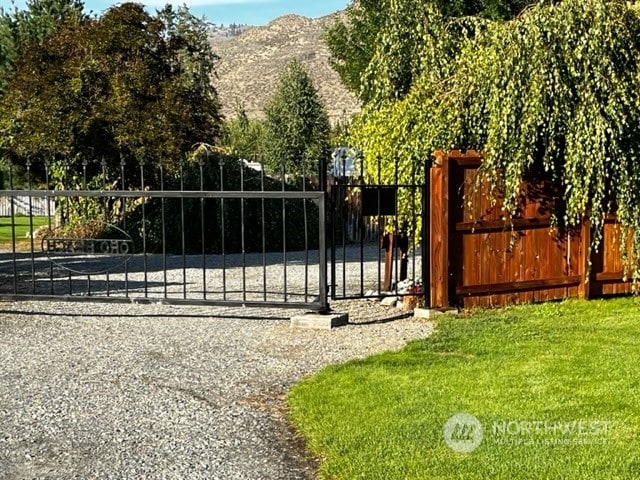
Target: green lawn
[(22, 228), (555, 388)]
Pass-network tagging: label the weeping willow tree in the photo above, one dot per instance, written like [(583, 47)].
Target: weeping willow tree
[(554, 90)]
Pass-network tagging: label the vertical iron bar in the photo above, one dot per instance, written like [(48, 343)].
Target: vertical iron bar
[(103, 168), (344, 190), (144, 230), (107, 214), (345, 223), (322, 175), (85, 205), (182, 232), (362, 234), (322, 256), (332, 219), (413, 222), (395, 228), (33, 256), (202, 236), (380, 232), (65, 185), (124, 222), (242, 243), (306, 235), (13, 232), (284, 231), (85, 162), (224, 258), (264, 240), (164, 229), (46, 178)]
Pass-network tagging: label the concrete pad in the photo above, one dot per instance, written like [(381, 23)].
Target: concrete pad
[(318, 321), (389, 301), (433, 312)]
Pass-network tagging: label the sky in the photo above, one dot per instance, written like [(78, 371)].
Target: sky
[(251, 12)]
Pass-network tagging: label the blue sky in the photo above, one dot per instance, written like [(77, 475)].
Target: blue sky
[(252, 12)]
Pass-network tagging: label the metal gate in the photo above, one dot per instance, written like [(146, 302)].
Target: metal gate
[(378, 229), (209, 231)]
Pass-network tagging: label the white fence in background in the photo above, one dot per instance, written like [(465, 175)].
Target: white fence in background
[(23, 205)]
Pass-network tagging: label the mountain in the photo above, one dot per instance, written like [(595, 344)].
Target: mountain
[(251, 61)]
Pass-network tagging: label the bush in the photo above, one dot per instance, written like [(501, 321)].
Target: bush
[(193, 213)]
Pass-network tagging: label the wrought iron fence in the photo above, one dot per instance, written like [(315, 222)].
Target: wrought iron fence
[(211, 231)]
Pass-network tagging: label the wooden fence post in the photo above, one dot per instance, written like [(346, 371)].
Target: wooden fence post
[(439, 219)]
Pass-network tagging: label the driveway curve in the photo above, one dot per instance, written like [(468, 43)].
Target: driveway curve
[(115, 391)]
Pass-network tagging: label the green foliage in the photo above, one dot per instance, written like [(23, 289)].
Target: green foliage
[(243, 137), (23, 29), (378, 51), (126, 86), (296, 135), (557, 92), (553, 92)]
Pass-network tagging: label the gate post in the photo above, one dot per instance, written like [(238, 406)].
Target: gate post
[(322, 258), (426, 235), (439, 226)]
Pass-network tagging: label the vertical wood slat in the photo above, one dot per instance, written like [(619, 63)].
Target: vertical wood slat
[(584, 289)]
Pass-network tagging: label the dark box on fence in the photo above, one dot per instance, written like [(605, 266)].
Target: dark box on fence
[(378, 201)]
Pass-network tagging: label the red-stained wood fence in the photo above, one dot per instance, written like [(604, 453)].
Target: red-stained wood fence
[(479, 259)]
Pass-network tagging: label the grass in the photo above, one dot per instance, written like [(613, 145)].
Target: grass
[(561, 363), (22, 228)]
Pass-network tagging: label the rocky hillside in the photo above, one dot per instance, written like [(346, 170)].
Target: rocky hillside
[(250, 64)]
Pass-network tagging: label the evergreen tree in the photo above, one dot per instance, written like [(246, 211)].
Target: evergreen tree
[(297, 125)]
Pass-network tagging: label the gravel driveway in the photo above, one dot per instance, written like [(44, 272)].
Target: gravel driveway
[(162, 392)]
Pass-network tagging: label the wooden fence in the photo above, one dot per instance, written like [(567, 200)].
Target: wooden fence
[(479, 259)]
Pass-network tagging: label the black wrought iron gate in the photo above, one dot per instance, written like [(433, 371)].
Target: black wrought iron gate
[(378, 229), (199, 232)]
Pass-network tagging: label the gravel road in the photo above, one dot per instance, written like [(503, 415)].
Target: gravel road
[(119, 391)]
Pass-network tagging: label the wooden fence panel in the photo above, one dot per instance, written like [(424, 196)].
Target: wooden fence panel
[(480, 259), (607, 270)]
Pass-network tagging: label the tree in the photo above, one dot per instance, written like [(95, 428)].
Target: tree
[(243, 137), (127, 85), (296, 125), (377, 50), (22, 29), (553, 92)]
